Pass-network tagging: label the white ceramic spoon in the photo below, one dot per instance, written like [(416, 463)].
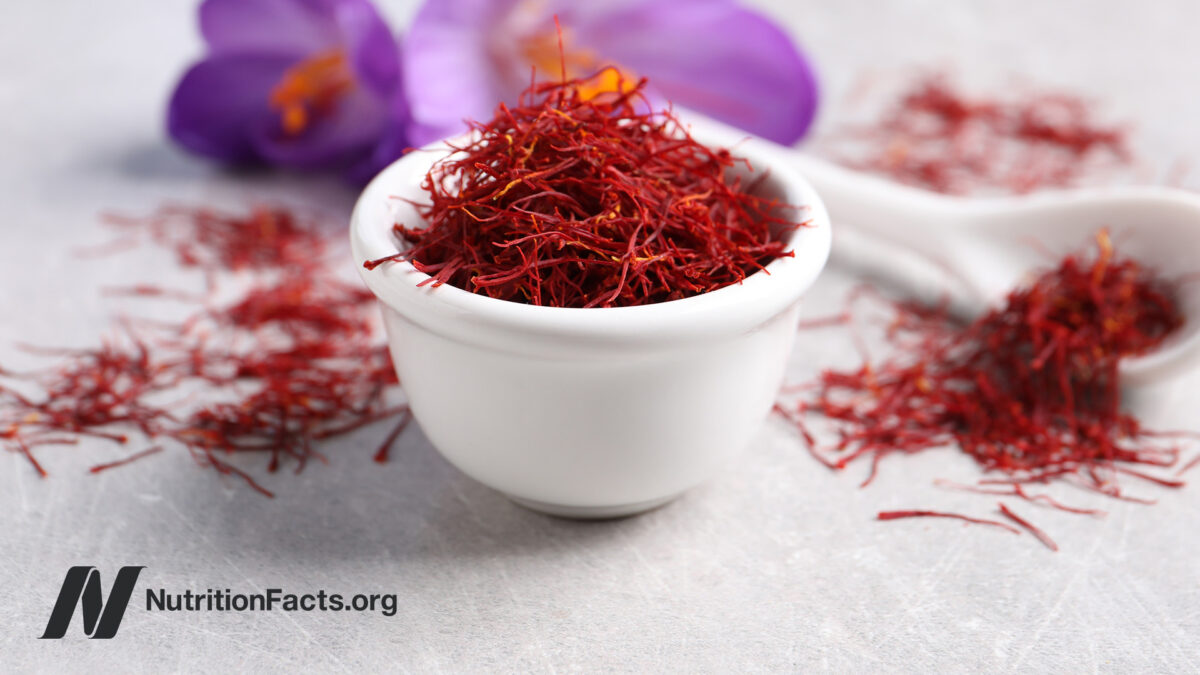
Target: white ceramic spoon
[(991, 245)]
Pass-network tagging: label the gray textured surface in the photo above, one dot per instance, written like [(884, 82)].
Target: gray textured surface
[(776, 565)]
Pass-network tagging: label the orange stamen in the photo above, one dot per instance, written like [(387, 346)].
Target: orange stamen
[(542, 52), (310, 89)]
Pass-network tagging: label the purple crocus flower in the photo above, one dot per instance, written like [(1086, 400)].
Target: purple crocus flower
[(713, 56), (299, 83)]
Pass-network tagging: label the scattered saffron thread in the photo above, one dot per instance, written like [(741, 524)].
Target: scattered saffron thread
[(896, 515), (154, 449), (1016, 490), (1030, 390), (935, 137), (291, 359), (1041, 536), (1192, 463)]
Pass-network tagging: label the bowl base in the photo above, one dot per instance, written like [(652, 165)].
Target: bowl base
[(593, 512)]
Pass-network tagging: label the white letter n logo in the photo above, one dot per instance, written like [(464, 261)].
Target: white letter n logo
[(82, 587)]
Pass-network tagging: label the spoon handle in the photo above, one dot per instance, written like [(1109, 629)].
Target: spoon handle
[(917, 220), (892, 220)]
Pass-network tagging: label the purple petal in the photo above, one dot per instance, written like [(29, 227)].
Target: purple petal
[(714, 57), (305, 28), (465, 56), (373, 51), (295, 27), (391, 145), (219, 100), (350, 129), (451, 70)]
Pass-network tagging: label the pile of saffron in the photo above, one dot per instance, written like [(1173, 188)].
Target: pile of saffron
[(1030, 391), (935, 137), (276, 355), (569, 201)]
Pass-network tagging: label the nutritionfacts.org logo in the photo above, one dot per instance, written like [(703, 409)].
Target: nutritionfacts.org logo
[(81, 588)]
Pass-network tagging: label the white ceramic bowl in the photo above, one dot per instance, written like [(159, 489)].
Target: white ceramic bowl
[(587, 413)]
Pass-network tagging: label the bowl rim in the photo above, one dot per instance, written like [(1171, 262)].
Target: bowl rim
[(732, 309)]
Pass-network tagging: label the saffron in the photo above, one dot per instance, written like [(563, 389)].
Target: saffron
[(896, 515), (573, 201), (292, 359), (935, 137), (1030, 390), (1029, 527)]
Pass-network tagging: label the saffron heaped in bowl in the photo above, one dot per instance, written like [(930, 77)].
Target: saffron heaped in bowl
[(568, 200), (589, 412)]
